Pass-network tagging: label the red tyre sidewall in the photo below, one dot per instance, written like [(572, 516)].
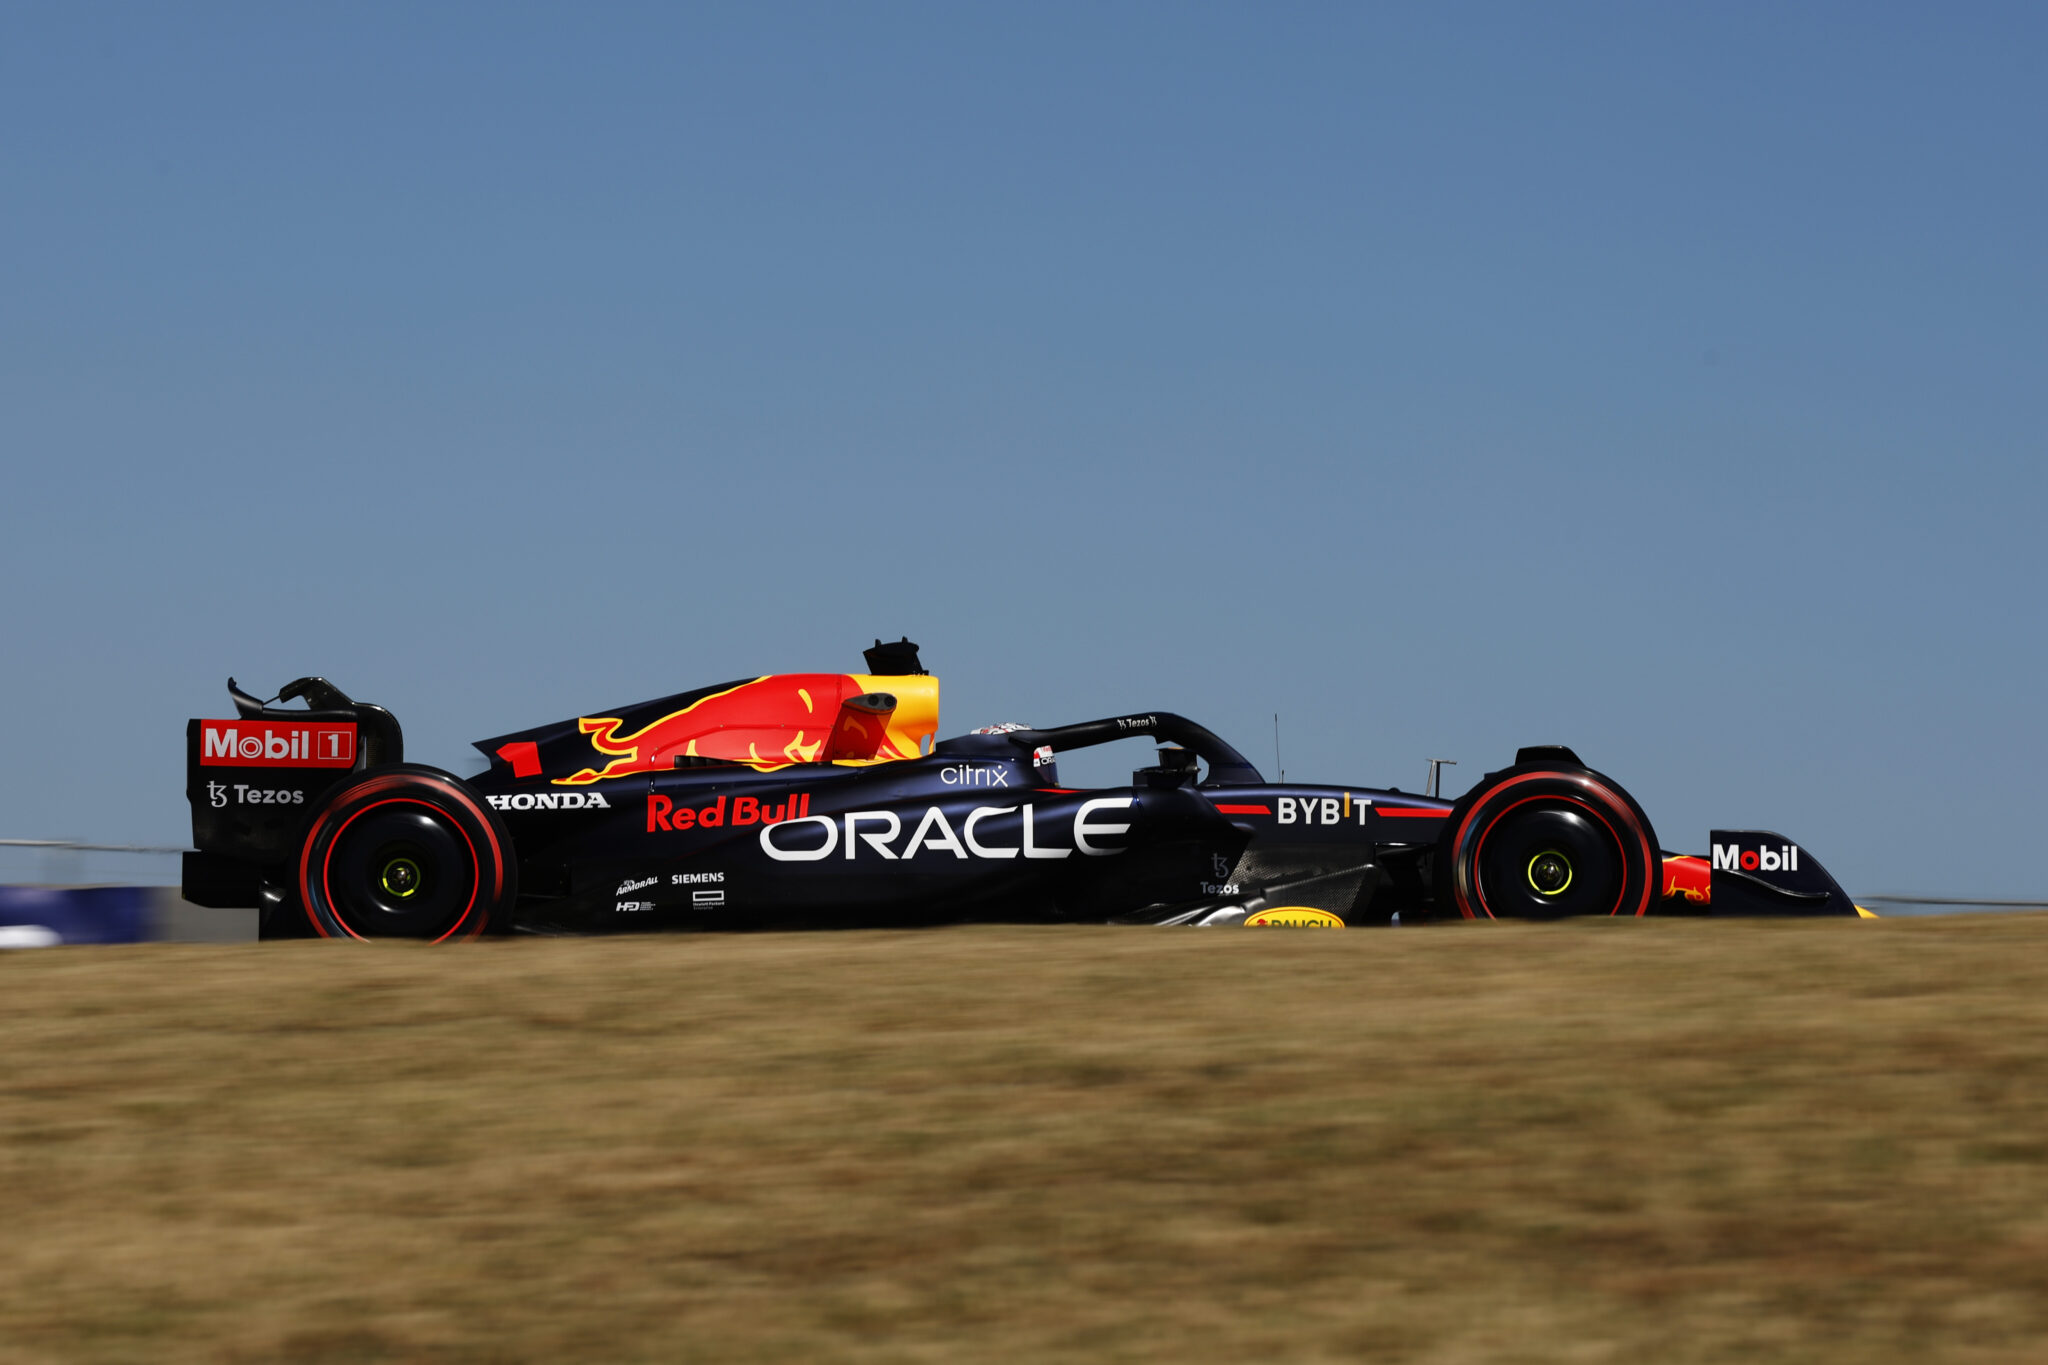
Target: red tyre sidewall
[(490, 846)]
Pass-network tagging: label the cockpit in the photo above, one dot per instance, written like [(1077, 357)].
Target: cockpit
[(1182, 748)]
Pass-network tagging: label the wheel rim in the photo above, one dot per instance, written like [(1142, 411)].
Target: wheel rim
[(400, 868), (1546, 857)]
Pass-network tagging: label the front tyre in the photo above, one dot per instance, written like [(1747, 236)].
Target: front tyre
[(1546, 841), (405, 852)]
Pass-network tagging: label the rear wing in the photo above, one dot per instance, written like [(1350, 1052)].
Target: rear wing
[(252, 781)]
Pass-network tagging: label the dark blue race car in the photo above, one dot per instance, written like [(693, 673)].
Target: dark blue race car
[(813, 800)]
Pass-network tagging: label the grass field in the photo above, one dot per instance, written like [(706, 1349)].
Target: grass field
[(1655, 1142)]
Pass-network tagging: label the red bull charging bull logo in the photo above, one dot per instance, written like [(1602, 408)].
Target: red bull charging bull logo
[(773, 722)]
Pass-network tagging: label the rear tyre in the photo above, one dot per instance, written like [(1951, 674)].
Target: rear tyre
[(1546, 841), (405, 852)]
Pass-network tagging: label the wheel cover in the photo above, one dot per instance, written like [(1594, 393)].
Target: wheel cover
[(355, 870), (1534, 831)]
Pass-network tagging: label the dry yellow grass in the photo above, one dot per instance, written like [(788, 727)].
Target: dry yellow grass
[(1635, 1143)]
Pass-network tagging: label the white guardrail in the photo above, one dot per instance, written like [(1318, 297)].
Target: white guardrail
[(74, 846), (1945, 903)]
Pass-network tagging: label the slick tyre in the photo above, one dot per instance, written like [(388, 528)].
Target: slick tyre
[(405, 852), (1546, 841)]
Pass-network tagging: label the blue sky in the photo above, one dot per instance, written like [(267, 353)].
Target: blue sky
[(1665, 381)]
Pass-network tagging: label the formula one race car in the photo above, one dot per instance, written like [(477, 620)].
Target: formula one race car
[(821, 800)]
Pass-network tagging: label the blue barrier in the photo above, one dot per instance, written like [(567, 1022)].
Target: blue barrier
[(76, 914)]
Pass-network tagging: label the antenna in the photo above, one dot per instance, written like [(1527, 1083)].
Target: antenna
[(1436, 767), (1276, 747)]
